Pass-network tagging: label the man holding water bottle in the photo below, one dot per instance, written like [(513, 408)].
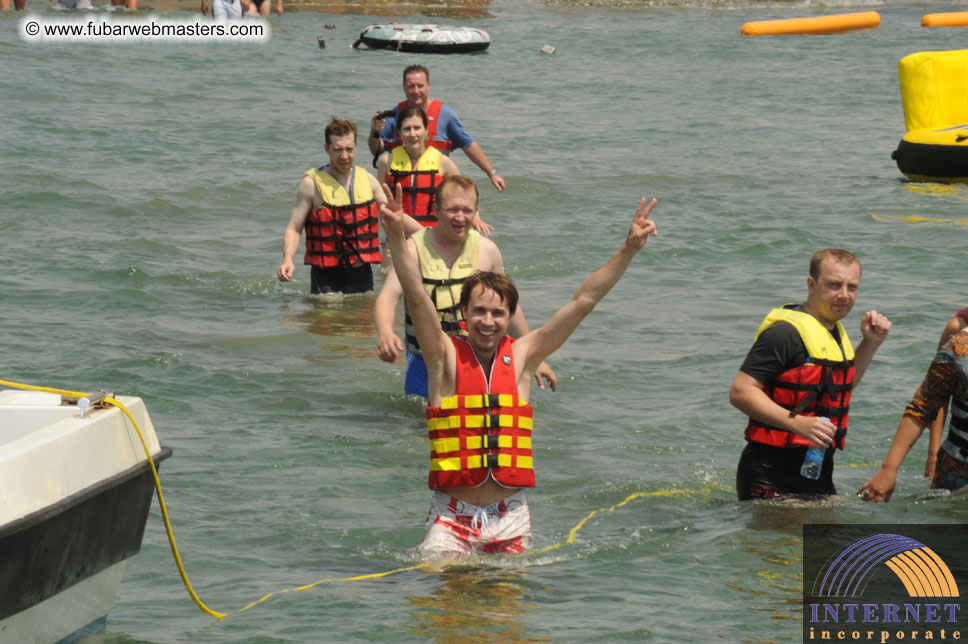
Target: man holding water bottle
[(796, 382)]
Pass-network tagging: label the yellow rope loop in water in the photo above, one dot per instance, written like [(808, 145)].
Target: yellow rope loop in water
[(154, 472), (573, 533)]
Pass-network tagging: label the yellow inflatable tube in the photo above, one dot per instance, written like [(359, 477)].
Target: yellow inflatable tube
[(934, 94), (818, 25), (953, 19)]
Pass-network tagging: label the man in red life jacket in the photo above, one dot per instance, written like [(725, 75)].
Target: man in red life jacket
[(338, 206), (796, 382), (478, 417), (444, 131)]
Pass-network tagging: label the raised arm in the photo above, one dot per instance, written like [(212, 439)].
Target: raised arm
[(297, 220), (539, 344), (874, 328), (433, 341), (375, 141)]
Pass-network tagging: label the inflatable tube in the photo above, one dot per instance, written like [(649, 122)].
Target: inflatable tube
[(424, 39), (934, 155), (953, 19), (934, 94), (818, 25)]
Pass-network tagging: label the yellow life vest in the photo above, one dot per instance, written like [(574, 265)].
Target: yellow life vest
[(816, 337), (442, 284)]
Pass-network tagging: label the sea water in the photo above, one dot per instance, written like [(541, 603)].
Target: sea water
[(144, 191)]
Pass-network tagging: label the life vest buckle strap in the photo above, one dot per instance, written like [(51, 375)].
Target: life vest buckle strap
[(839, 438), (491, 461), (449, 326), (430, 281)]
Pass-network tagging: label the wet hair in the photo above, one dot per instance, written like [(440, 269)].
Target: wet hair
[(497, 282), (340, 127), (838, 256), (412, 69), (458, 181), (409, 112)]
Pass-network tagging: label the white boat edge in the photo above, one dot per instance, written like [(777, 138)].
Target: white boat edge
[(80, 489)]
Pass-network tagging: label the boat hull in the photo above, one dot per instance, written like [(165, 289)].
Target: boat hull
[(76, 498)]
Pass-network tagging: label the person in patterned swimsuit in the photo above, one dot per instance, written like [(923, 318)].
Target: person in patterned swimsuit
[(946, 378)]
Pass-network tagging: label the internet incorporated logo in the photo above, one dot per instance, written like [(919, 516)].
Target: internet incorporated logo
[(881, 587)]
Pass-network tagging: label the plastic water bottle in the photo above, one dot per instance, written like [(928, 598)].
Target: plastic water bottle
[(813, 461)]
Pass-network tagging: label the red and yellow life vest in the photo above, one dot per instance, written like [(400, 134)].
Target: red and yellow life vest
[(820, 387), (433, 115), (419, 184), (344, 231), (484, 428)]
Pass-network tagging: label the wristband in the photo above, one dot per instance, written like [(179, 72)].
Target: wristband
[(492, 172)]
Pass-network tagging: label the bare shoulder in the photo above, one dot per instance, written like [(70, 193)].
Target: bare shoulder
[(375, 187), (307, 184), (448, 167), (307, 190), (955, 324), (489, 256)]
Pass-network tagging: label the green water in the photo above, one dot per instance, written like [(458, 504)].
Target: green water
[(143, 196)]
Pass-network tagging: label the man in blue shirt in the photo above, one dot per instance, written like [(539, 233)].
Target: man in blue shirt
[(444, 131)]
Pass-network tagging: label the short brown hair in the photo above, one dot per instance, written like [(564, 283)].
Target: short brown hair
[(412, 69), (838, 256), (409, 112), (489, 280), (340, 127), (458, 181)]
